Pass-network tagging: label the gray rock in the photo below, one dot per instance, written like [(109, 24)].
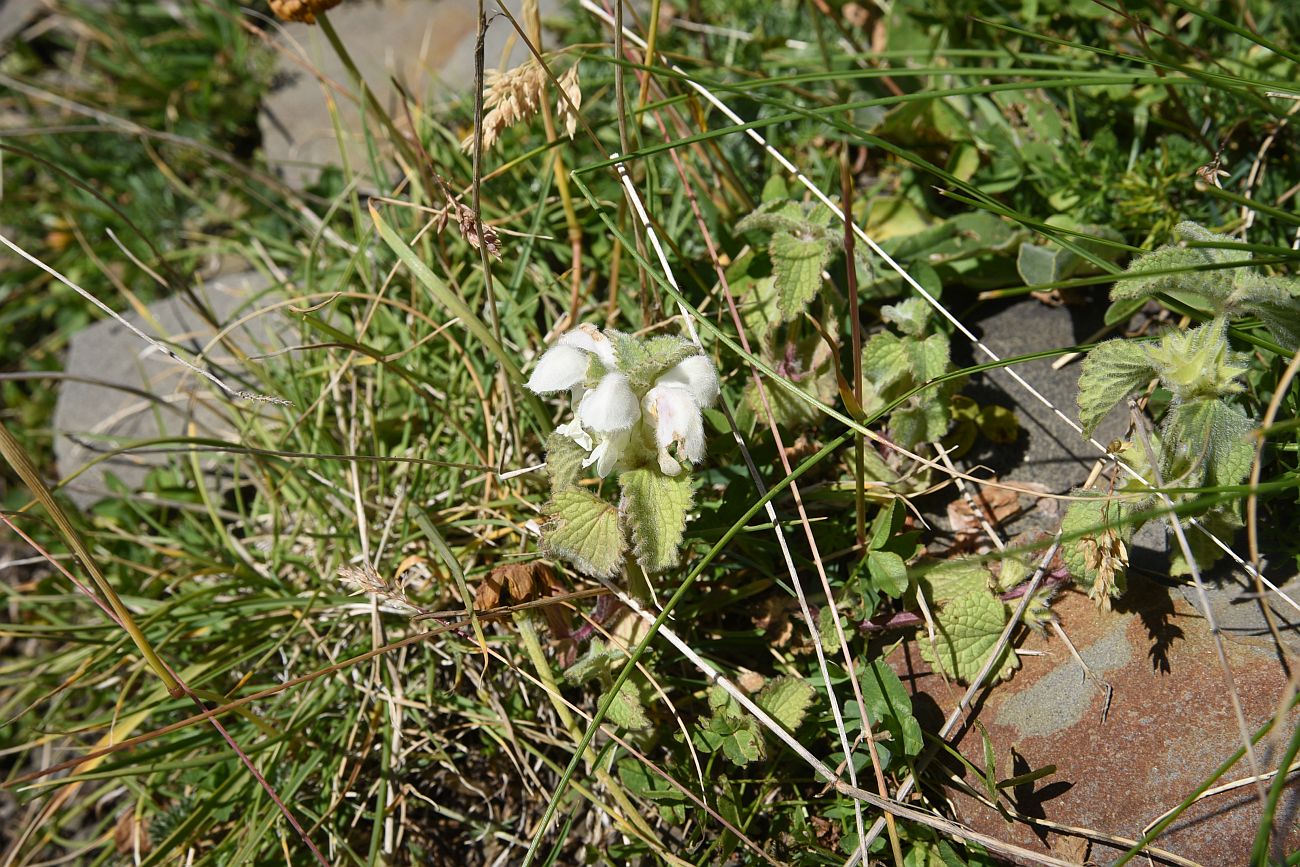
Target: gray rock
[(121, 390), (425, 45)]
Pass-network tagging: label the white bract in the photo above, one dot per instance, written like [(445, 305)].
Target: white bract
[(618, 424)]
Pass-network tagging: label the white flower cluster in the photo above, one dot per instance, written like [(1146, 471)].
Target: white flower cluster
[(614, 423)]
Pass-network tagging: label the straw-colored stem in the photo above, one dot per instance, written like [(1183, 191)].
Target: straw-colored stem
[(18, 459)]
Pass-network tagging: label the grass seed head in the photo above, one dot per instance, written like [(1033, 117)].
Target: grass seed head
[(301, 10), (510, 98)]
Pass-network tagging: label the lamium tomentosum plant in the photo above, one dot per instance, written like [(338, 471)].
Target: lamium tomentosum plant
[(638, 412), (1203, 440)]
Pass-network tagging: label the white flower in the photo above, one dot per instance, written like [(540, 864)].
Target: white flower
[(610, 406), (565, 365), (609, 449), (698, 375), (677, 421), (608, 418)]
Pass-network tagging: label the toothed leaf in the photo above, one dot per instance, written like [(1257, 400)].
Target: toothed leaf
[(655, 507), (1112, 371), (563, 461), (584, 530), (1205, 443), (787, 700), (797, 265), (967, 630)]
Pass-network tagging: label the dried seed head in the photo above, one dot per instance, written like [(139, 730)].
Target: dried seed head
[(365, 579), (510, 97), (567, 109), (301, 10), (465, 218)]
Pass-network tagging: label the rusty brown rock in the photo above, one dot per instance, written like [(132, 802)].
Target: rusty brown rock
[(1170, 725)]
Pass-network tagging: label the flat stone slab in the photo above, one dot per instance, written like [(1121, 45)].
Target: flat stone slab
[(425, 45), (1170, 724), (120, 389)]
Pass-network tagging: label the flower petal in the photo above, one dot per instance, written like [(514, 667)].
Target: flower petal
[(573, 430), (610, 406), (677, 419), (589, 338), (608, 452), (559, 368), (698, 375)]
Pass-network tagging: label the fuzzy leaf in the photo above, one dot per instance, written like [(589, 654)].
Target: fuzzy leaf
[(1216, 286), (1111, 372), (797, 264), (968, 628), (1205, 443), (1198, 362), (909, 316), (584, 530), (826, 631), (884, 359), (787, 699), (627, 711), (953, 578), (563, 461), (1223, 523), (888, 704), (595, 663), (655, 507), (1275, 300)]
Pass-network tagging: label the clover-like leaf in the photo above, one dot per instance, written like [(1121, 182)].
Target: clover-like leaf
[(584, 530), (968, 629), (655, 507), (787, 700), (1112, 371)]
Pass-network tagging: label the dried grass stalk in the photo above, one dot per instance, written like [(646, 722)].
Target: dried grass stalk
[(510, 97), (567, 109), (301, 10)]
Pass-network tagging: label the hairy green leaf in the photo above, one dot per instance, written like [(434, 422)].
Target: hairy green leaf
[(584, 530), (655, 507), (787, 700), (564, 459), (797, 265), (1205, 443), (1112, 371), (967, 630), (627, 711)]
